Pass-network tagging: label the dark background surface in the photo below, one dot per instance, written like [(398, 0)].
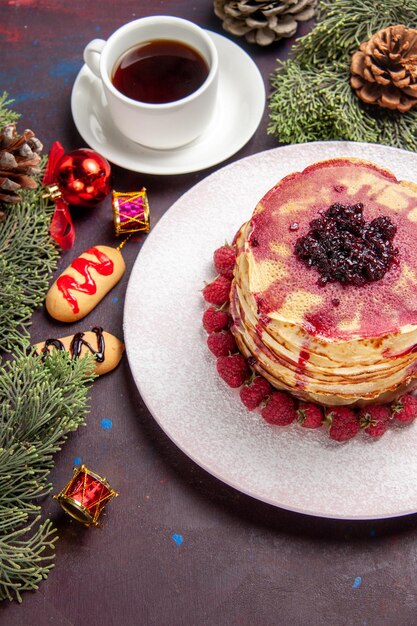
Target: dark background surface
[(240, 562)]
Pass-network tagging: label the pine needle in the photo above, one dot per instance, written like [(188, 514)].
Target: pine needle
[(7, 115), (28, 257), (40, 403), (312, 99)]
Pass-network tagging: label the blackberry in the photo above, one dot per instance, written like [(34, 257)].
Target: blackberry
[(344, 248)]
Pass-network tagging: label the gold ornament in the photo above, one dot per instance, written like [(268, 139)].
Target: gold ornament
[(384, 69), (130, 212), (85, 496)]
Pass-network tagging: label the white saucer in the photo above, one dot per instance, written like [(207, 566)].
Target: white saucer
[(240, 107)]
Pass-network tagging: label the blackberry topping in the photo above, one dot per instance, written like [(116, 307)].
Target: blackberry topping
[(345, 248)]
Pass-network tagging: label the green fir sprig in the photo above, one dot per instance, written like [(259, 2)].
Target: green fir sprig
[(7, 115), (40, 403), (312, 99), (28, 257)]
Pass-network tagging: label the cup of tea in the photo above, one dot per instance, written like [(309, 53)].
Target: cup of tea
[(159, 76)]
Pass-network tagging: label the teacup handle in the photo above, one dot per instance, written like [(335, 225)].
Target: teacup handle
[(92, 53)]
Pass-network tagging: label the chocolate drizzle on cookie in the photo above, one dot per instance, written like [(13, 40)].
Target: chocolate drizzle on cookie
[(56, 343), (77, 344)]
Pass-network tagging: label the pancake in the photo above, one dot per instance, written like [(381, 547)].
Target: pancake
[(335, 343)]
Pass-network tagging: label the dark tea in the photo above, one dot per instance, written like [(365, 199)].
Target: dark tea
[(160, 71)]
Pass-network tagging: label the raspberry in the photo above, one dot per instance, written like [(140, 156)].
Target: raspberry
[(374, 419), (233, 369), (224, 260), (377, 429), (218, 291), (309, 415), (343, 422), (221, 344), (405, 408), (215, 320), (256, 391), (280, 409)]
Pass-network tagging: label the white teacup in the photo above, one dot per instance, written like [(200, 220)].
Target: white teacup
[(159, 126)]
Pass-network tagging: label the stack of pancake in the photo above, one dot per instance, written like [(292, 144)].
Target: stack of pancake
[(338, 343)]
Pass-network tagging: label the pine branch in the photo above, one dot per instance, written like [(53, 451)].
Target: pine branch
[(7, 116), (312, 99), (40, 404), (342, 25), (24, 563), (28, 257)]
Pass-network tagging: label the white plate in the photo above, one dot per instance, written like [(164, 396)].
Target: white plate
[(239, 110), (176, 374)]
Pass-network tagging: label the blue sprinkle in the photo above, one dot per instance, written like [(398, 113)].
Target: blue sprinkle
[(115, 299), (77, 460), (357, 582), (98, 27), (106, 423), (177, 538), (372, 533)]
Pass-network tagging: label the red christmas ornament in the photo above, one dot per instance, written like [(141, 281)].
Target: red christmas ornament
[(85, 496), (83, 177), (80, 178)]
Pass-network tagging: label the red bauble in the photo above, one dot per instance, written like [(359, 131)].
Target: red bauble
[(83, 177)]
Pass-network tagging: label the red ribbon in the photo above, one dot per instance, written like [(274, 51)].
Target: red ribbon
[(61, 228)]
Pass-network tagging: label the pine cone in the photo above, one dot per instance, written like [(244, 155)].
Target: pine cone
[(384, 69), (19, 160), (263, 22)]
